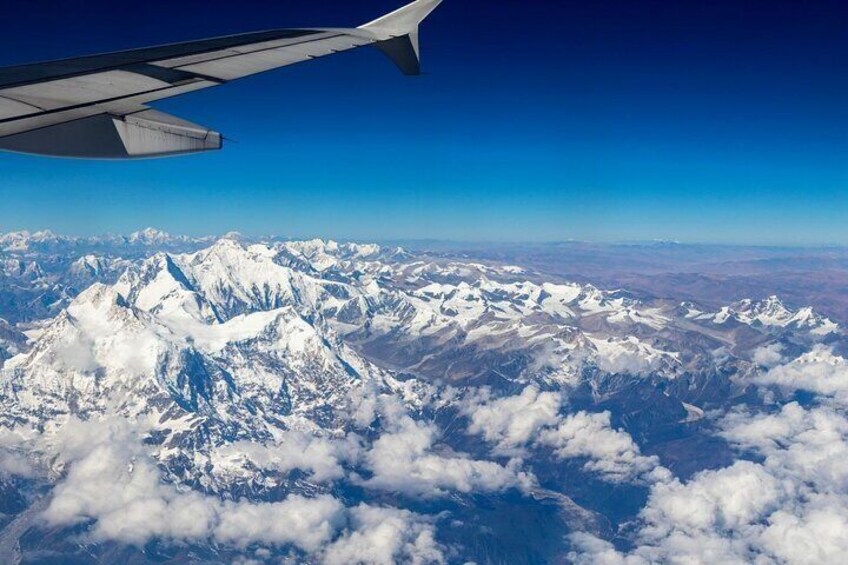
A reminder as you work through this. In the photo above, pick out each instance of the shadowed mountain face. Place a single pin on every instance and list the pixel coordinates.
(172, 399)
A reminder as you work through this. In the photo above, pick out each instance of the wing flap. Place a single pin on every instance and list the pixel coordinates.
(154, 134)
(119, 107)
(148, 133)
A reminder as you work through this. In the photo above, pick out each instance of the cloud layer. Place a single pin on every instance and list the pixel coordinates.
(787, 504)
(113, 484)
(819, 371)
(116, 486)
(532, 419)
(404, 460)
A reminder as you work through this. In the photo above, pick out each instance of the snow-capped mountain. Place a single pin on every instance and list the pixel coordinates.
(770, 313)
(45, 241)
(97, 267)
(41, 272)
(151, 236)
(21, 269)
(401, 313)
(24, 241)
(204, 382)
(550, 331)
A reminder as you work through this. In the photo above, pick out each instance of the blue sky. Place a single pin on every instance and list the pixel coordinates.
(612, 120)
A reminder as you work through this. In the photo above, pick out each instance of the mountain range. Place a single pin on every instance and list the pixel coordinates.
(177, 399)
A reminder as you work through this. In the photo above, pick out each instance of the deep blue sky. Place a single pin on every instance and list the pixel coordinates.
(719, 121)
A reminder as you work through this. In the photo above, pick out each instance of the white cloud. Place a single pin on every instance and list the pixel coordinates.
(612, 453)
(792, 507)
(512, 421)
(113, 482)
(385, 536)
(590, 550)
(320, 457)
(404, 460)
(532, 418)
(812, 534)
(807, 446)
(15, 465)
(768, 355)
(363, 406)
(819, 371)
(308, 523)
(729, 499)
(714, 518)
(14, 448)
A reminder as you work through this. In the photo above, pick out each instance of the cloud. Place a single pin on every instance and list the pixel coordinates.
(812, 534)
(807, 446)
(512, 421)
(14, 448)
(768, 355)
(791, 506)
(113, 482)
(532, 419)
(591, 550)
(320, 457)
(308, 523)
(818, 371)
(611, 453)
(404, 460)
(717, 517)
(115, 486)
(385, 536)
(728, 500)
(15, 465)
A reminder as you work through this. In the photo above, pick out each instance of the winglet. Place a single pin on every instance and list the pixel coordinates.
(399, 34)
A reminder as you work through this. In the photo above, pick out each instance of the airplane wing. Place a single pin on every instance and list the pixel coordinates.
(97, 106)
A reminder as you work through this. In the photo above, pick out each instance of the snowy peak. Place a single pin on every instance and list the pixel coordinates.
(770, 313)
(325, 256)
(20, 269)
(436, 318)
(23, 241)
(551, 330)
(19, 240)
(149, 348)
(237, 280)
(93, 267)
(151, 236)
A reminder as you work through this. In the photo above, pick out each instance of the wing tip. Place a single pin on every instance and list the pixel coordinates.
(398, 34)
(404, 20)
